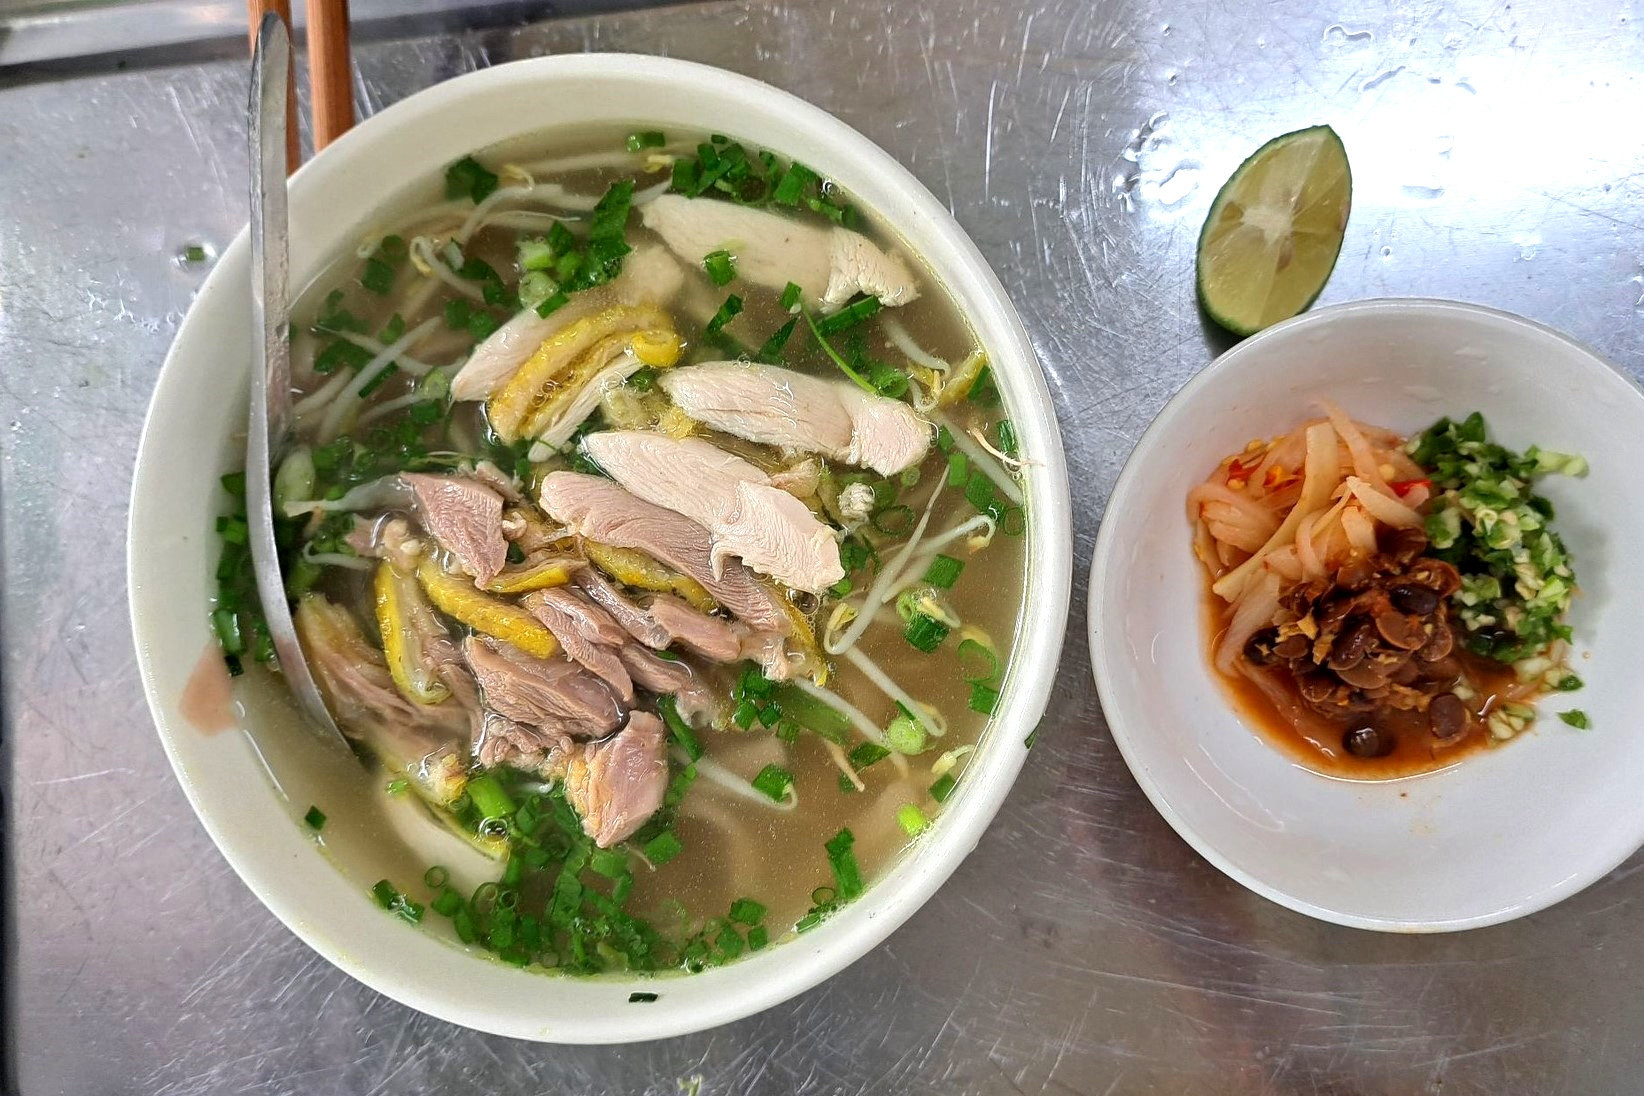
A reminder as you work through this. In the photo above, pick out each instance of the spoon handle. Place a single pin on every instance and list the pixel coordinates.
(270, 417)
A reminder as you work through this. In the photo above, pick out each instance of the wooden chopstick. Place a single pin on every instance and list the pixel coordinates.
(330, 78)
(255, 10)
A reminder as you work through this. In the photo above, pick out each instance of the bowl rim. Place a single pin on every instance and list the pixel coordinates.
(909, 881)
(1103, 663)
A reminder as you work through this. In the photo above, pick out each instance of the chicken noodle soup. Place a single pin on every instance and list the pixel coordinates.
(1382, 605)
(655, 527)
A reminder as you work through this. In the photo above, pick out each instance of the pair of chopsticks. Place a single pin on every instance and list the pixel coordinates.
(330, 80)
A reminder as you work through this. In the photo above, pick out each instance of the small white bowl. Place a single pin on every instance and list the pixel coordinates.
(1500, 834)
(249, 787)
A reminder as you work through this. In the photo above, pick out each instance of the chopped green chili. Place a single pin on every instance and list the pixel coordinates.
(1576, 718)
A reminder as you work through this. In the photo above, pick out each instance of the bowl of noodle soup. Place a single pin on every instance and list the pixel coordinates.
(1413, 784)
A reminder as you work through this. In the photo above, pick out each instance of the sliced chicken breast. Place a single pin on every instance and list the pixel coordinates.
(746, 517)
(649, 276)
(775, 406)
(596, 508)
(830, 265)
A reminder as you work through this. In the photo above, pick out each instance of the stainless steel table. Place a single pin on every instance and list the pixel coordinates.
(1083, 948)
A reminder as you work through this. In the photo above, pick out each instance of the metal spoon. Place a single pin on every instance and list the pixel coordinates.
(268, 430)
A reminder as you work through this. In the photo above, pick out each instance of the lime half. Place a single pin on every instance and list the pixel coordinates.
(1274, 231)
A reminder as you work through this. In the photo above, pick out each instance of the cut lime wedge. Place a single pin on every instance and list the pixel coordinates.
(1274, 231)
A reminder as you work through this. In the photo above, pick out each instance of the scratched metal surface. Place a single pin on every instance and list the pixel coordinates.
(1082, 948)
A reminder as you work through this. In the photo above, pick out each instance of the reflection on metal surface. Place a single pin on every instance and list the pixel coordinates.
(1082, 948)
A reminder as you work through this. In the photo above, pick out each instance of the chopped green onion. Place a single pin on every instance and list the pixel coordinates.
(194, 253)
(1013, 523)
(774, 781)
(1576, 718)
(638, 997)
(790, 296)
(925, 633)
(456, 313)
(398, 786)
(841, 588)
(818, 716)
(943, 572)
(489, 798)
(793, 184)
(849, 316)
(979, 491)
(943, 788)
(867, 753)
(772, 350)
(468, 178)
(647, 138)
(827, 348)
(1006, 432)
(846, 874)
(553, 304)
(663, 847)
(611, 863)
(377, 276)
(906, 735)
(983, 697)
(385, 893)
(912, 820)
(227, 625)
(447, 902)
(745, 714)
(315, 818)
(234, 484)
(958, 470)
(380, 379)
(758, 937)
(435, 877)
(727, 312)
(392, 330)
(678, 729)
(745, 911)
(1032, 737)
(894, 521)
(977, 661)
(721, 267)
(1569, 683)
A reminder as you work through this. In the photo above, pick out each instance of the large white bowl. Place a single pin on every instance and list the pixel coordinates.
(193, 436)
(1502, 833)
